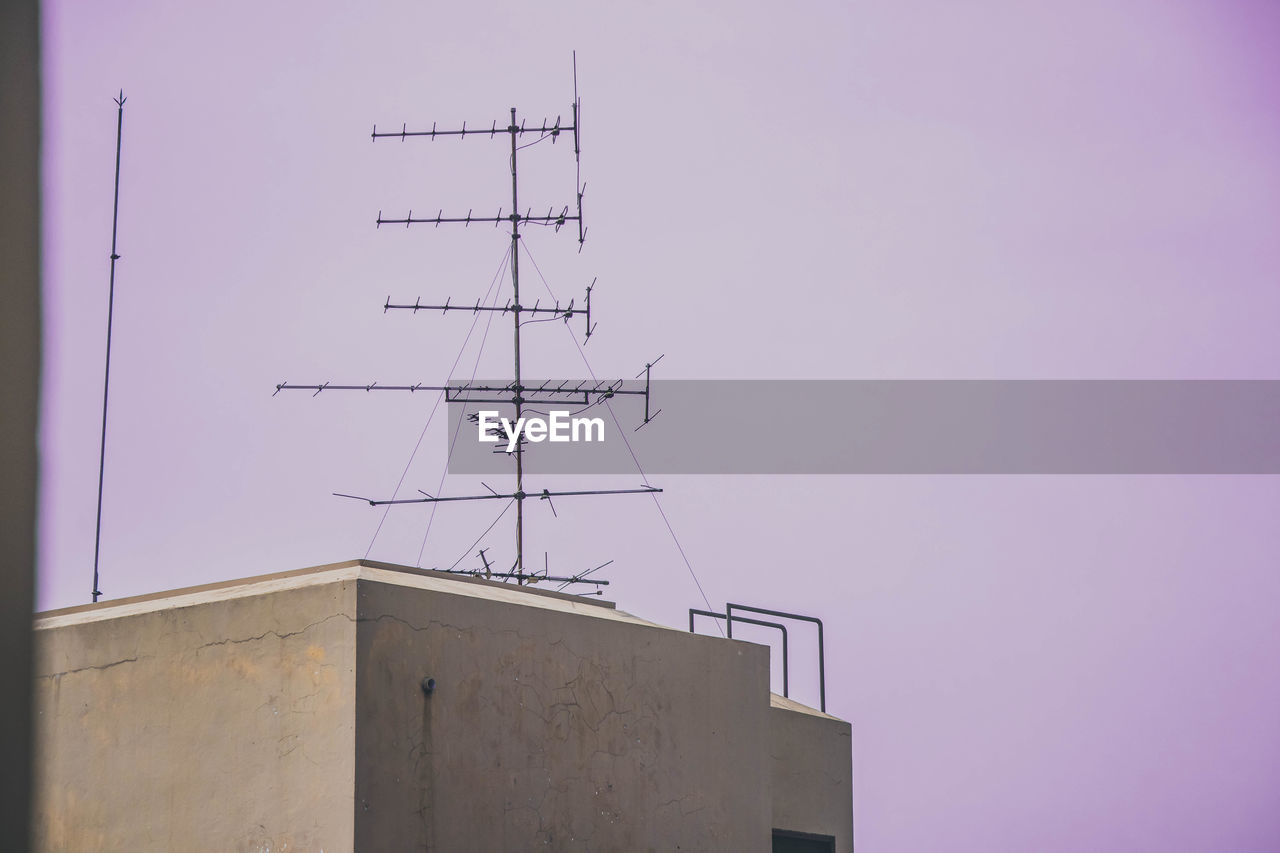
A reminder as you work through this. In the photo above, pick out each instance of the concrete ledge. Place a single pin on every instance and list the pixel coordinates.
(296, 579)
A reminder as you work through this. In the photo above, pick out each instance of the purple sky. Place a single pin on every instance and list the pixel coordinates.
(932, 190)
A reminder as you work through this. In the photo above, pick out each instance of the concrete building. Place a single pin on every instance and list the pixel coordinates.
(369, 707)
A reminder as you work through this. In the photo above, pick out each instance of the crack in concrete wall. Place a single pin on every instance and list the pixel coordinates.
(554, 731)
(193, 728)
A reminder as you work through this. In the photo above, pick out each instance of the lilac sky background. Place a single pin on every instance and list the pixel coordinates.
(866, 190)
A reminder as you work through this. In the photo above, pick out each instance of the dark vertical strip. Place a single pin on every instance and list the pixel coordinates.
(20, 377)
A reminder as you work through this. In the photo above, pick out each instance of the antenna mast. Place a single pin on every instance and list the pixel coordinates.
(106, 382)
(515, 289)
(515, 393)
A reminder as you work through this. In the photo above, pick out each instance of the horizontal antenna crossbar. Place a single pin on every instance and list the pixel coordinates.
(523, 575)
(568, 394)
(438, 219)
(542, 495)
(500, 309)
(492, 131)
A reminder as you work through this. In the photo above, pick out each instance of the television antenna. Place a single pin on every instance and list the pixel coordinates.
(106, 381)
(516, 393)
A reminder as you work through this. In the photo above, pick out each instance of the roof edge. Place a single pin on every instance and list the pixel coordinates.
(327, 567)
(782, 703)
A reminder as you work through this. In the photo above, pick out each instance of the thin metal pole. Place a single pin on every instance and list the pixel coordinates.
(106, 382)
(519, 390)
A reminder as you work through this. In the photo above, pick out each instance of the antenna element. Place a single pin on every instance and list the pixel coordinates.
(106, 382)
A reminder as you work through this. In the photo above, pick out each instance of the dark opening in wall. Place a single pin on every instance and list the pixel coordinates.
(786, 841)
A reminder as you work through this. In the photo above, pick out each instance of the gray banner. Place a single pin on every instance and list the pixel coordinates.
(895, 427)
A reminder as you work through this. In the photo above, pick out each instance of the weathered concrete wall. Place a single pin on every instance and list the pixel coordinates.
(218, 726)
(553, 730)
(287, 713)
(811, 764)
